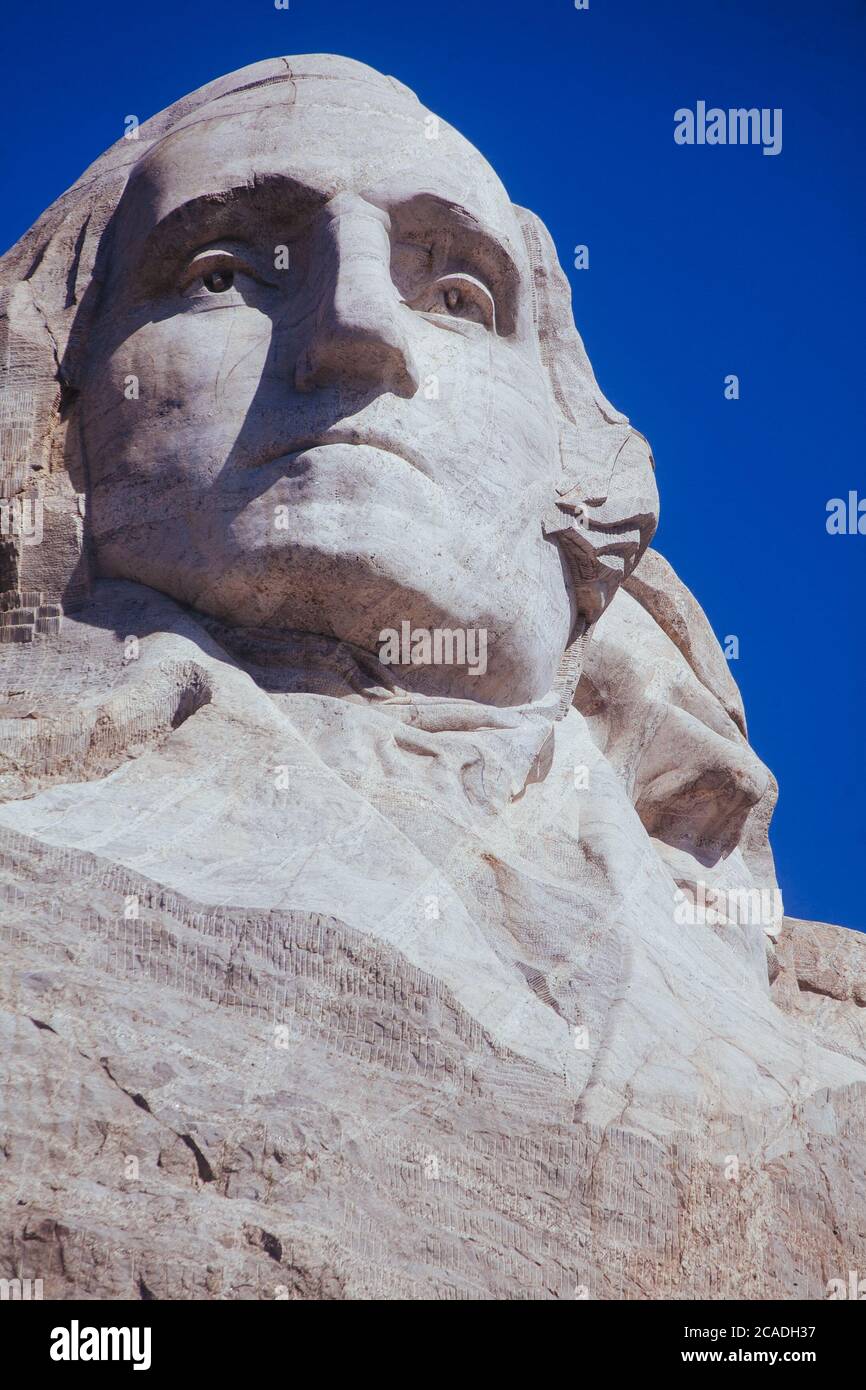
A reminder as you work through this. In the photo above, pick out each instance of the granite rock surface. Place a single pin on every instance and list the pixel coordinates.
(331, 969)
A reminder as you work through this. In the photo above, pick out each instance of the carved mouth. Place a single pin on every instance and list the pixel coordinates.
(383, 443)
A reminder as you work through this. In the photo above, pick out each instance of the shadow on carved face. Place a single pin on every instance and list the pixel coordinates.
(316, 402)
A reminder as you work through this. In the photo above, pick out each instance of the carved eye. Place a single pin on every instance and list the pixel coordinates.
(218, 281)
(459, 296)
(217, 270)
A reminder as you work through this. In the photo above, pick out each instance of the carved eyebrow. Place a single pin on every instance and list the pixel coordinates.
(234, 211)
(239, 212)
(468, 237)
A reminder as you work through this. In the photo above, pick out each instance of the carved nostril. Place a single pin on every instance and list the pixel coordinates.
(367, 353)
(400, 370)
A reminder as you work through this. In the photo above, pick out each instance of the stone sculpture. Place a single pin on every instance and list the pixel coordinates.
(378, 813)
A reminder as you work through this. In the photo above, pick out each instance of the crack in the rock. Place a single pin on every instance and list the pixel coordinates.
(205, 1172)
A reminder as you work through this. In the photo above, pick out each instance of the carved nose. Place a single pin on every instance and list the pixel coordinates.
(358, 337)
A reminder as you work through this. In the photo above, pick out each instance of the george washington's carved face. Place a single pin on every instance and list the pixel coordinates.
(342, 419)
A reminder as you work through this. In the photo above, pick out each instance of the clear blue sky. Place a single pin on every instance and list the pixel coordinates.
(703, 262)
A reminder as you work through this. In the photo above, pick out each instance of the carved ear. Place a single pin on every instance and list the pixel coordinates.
(606, 508)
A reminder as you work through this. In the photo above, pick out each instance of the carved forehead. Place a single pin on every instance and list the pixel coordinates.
(322, 137)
